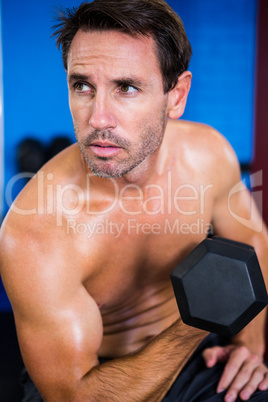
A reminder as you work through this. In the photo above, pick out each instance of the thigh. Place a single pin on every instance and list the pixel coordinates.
(197, 383)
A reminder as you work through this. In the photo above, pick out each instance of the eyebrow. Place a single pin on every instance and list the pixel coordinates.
(130, 80)
(77, 77)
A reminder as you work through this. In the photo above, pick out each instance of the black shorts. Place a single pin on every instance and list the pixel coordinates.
(195, 383)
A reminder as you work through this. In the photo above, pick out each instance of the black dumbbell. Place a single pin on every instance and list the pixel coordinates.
(219, 286)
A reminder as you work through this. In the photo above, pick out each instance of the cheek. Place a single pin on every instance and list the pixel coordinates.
(139, 116)
(80, 112)
(153, 116)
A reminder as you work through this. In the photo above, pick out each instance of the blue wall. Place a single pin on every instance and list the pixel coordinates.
(35, 89)
(222, 34)
(223, 38)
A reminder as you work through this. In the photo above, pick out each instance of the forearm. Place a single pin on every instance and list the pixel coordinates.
(146, 375)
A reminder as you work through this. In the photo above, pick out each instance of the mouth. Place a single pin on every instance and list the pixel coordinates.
(104, 149)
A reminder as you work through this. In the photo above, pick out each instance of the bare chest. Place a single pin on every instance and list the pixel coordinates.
(127, 250)
(123, 254)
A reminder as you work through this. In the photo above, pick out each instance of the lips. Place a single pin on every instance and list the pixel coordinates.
(104, 149)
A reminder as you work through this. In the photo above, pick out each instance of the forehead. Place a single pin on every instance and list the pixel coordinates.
(112, 49)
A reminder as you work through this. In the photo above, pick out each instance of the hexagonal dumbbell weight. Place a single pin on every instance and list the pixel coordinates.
(219, 286)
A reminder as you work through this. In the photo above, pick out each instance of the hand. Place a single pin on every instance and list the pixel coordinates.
(243, 374)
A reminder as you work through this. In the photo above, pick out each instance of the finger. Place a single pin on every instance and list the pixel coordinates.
(217, 354)
(264, 384)
(253, 384)
(247, 381)
(232, 367)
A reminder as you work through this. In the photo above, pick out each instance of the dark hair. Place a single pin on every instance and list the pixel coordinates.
(144, 17)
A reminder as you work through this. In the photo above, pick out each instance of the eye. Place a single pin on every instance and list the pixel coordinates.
(128, 89)
(80, 87)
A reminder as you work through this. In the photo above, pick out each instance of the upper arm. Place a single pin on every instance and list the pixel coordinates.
(235, 213)
(58, 324)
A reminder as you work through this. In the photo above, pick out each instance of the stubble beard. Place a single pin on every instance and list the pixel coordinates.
(150, 139)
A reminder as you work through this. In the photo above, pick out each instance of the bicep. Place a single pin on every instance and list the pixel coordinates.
(59, 325)
(236, 216)
(235, 213)
(59, 341)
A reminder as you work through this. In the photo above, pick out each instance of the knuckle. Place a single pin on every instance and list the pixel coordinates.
(255, 359)
(256, 378)
(246, 371)
(253, 371)
(261, 367)
(243, 350)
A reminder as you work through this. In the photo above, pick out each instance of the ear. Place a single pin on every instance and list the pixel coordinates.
(178, 96)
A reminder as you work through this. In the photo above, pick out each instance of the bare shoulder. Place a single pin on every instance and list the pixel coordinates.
(34, 200)
(205, 149)
(198, 136)
(31, 240)
(33, 206)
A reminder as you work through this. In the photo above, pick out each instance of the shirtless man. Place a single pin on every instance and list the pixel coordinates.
(89, 244)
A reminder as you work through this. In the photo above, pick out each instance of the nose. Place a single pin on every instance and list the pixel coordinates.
(102, 114)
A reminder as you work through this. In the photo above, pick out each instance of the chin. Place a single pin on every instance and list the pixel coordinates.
(105, 171)
(108, 174)
(111, 169)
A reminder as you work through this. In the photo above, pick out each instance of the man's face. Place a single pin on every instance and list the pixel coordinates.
(116, 99)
